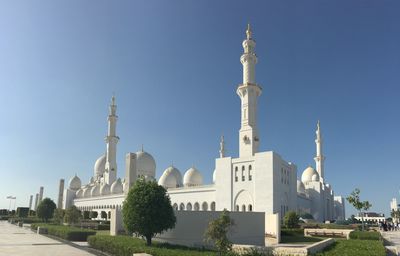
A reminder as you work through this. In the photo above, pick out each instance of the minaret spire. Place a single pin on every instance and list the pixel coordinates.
(222, 147)
(111, 141)
(319, 157)
(248, 92)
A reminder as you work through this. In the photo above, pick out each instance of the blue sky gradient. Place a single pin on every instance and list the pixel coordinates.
(174, 67)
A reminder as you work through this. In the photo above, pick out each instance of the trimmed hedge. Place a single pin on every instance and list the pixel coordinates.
(126, 245)
(103, 227)
(66, 232)
(365, 235)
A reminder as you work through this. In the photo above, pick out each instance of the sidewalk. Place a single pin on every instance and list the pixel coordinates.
(393, 237)
(22, 241)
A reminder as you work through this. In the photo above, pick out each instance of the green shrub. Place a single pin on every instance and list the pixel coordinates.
(292, 232)
(291, 219)
(365, 235)
(125, 245)
(103, 227)
(66, 232)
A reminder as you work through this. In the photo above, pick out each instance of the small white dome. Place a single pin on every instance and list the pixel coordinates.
(315, 177)
(116, 187)
(300, 187)
(95, 191)
(75, 183)
(171, 178)
(79, 193)
(214, 176)
(307, 174)
(145, 164)
(105, 189)
(86, 191)
(192, 177)
(100, 166)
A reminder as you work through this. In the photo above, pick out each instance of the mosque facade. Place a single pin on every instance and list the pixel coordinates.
(253, 181)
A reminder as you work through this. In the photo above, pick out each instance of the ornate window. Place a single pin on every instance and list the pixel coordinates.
(250, 208)
(243, 175)
(250, 176)
(236, 174)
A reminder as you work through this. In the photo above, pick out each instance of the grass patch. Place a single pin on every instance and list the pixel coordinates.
(365, 235)
(65, 232)
(125, 245)
(354, 248)
(292, 236)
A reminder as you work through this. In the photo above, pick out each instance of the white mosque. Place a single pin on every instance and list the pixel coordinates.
(254, 181)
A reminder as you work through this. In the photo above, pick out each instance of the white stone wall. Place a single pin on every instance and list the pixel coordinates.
(189, 230)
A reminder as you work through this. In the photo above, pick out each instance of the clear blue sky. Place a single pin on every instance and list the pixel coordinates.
(174, 67)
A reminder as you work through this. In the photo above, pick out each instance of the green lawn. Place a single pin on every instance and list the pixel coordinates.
(125, 245)
(344, 247)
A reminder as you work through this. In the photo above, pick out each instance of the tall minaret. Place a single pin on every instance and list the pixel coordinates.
(319, 158)
(248, 93)
(111, 140)
(222, 147)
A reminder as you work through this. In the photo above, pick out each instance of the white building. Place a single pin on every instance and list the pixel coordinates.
(253, 181)
(371, 217)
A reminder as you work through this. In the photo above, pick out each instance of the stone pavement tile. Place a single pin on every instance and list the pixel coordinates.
(22, 241)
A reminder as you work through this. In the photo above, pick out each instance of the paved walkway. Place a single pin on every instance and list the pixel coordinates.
(22, 241)
(393, 237)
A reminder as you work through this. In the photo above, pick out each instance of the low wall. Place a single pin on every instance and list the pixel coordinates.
(116, 225)
(327, 232)
(283, 250)
(190, 226)
(273, 226)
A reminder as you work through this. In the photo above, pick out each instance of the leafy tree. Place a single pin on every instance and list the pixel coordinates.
(93, 214)
(306, 216)
(58, 216)
(217, 232)
(103, 215)
(291, 219)
(354, 199)
(72, 215)
(45, 209)
(147, 210)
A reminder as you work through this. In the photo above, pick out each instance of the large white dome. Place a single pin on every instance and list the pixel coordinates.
(307, 174)
(192, 177)
(79, 193)
(116, 187)
(300, 187)
(75, 183)
(95, 191)
(100, 166)
(105, 189)
(315, 177)
(171, 178)
(145, 164)
(86, 191)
